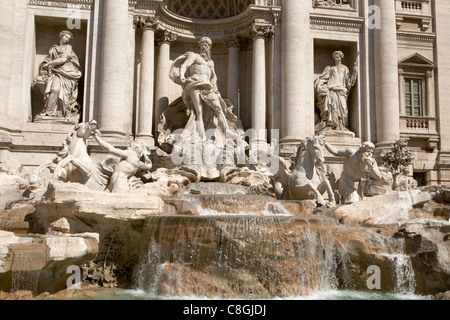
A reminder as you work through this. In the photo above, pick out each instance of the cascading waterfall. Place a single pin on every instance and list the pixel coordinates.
(24, 276)
(404, 274)
(231, 244)
(238, 256)
(394, 250)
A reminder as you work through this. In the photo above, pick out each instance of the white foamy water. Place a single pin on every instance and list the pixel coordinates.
(331, 294)
(270, 209)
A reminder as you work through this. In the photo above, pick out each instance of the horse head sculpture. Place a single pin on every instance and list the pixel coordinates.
(295, 183)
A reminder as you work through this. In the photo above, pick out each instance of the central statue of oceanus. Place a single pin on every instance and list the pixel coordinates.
(200, 127)
(195, 72)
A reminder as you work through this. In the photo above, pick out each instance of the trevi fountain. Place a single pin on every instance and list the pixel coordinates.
(213, 212)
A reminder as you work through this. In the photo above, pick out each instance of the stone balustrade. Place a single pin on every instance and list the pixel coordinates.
(412, 5)
(417, 125)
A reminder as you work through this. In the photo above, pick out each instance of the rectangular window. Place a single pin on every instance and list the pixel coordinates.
(413, 97)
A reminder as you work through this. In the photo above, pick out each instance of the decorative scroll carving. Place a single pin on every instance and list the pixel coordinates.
(236, 41)
(166, 36)
(265, 31)
(146, 22)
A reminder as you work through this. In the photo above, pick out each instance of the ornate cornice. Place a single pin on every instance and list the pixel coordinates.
(143, 7)
(416, 36)
(334, 23)
(80, 4)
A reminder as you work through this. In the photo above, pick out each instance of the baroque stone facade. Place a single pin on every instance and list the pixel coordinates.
(268, 55)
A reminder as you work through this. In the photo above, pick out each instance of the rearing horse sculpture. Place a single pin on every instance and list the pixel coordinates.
(74, 163)
(296, 183)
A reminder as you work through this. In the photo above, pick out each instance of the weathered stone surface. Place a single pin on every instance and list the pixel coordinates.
(443, 296)
(18, 295)
(14, 218)
(427, 244)
(391, 208)
(61, 225)
(11, 189)
(6, 239)
(86, 210)
(48, 255)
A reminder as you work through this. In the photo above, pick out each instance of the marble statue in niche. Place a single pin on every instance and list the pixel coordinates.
(332, 89)
(200, 126)
(59, 75)
(196, 74)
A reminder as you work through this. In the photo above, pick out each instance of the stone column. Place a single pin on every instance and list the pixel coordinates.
(276, 76)
(234, 44)
(259, 34)
(297, 73)
(146, 85)
(386, 75)
(431, 105)
(442, 24)
(165, 38)
(401, 90)
(6, 48)
(114, 118)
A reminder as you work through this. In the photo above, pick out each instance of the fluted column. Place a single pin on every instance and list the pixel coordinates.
(297, 72)
(6, 48)
(259, 34)
(114, 118)
(234, 44)
(165, 38)
(146, 85)
(386, 75)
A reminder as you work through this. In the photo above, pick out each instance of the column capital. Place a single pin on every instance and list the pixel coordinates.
(262, 30)
(146, 22)
(165, 36)
(236, 41)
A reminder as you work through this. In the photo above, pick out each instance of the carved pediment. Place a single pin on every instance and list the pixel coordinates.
(417, 61)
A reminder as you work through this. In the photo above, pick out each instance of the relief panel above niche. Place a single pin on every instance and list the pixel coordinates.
(336, 4)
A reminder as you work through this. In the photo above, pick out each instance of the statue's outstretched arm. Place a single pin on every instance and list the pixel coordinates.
(336, 152)
(108, 147)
